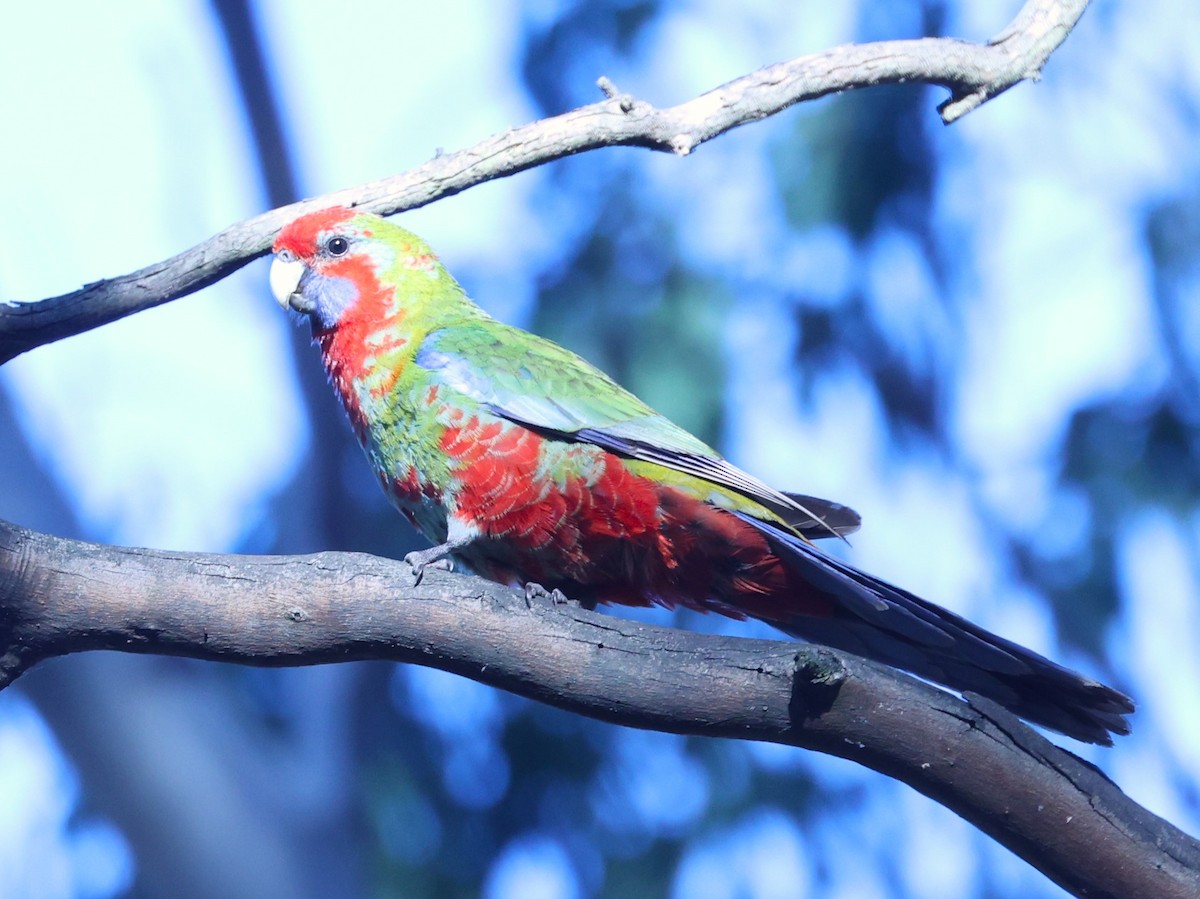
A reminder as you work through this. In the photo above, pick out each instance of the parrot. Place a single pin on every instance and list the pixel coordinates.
(518, 458)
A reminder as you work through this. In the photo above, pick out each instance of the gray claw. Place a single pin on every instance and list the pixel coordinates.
(537, 591)
(420, 560)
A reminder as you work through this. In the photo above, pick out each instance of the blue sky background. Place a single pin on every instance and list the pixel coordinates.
(1043, 296)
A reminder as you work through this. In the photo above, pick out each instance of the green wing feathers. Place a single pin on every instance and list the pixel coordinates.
(531, 381)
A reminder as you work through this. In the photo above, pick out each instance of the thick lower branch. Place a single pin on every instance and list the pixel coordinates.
(60, 596)
(973, 72)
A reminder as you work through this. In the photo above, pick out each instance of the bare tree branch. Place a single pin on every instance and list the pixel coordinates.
(1063, 816)
(974, 73)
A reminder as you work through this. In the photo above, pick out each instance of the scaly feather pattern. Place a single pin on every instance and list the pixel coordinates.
(518, 457)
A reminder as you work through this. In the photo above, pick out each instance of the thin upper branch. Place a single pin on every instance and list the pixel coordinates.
(59, 596)
(974, 73)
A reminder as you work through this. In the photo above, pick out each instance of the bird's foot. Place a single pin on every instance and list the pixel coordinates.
(435, 557)
(537, 591)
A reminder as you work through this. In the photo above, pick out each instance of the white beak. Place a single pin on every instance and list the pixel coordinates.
(285, 278)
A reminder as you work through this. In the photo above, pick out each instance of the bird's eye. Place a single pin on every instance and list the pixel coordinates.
(337, 246)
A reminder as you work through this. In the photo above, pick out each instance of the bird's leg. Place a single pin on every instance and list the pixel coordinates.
(537, 591)
(434, 557)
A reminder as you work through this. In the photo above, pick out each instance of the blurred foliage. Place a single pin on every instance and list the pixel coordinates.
(871, 166)
(1131, 451)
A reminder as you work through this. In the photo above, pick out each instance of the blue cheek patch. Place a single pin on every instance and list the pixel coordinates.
(326, 298)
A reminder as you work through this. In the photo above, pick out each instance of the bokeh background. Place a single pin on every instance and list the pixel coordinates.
(986, 338)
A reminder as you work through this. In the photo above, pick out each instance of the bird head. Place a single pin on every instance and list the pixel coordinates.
(321, 260)
(337, 265)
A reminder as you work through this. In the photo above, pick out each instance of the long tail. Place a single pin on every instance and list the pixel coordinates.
(879, 621)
